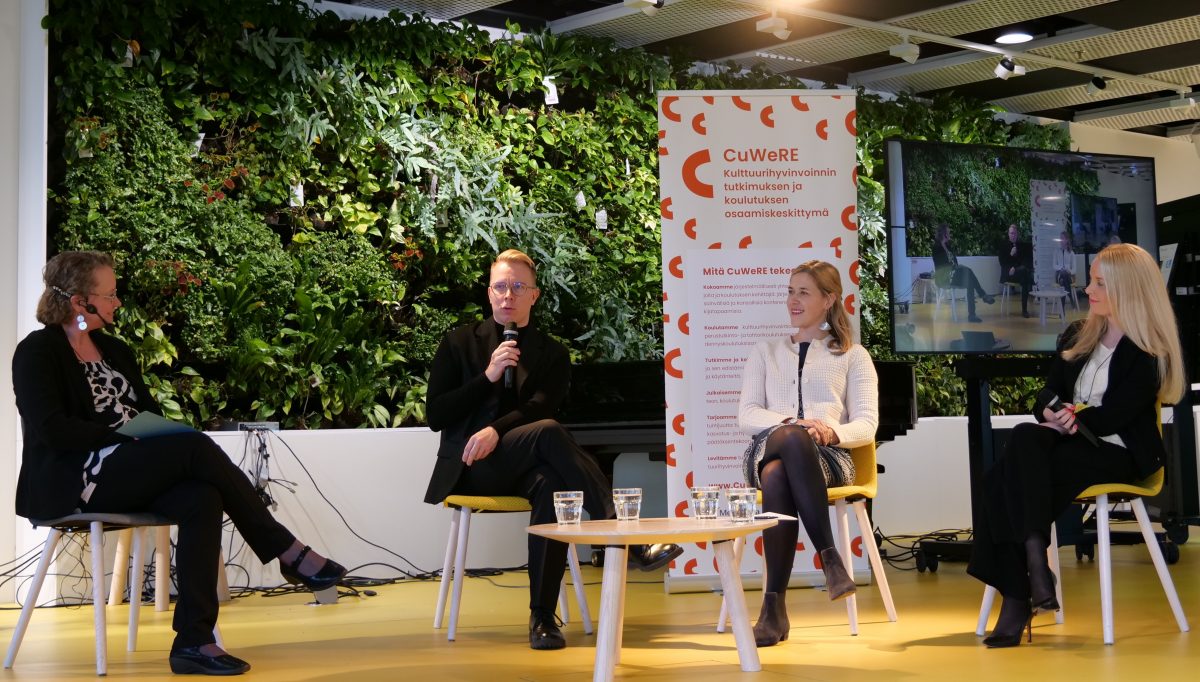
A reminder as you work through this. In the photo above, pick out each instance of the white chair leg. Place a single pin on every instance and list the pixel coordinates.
(97, 542)
(35, 588)
(585, 614)
(162, 568)
(222, 579)
(847, 556)
(116, 589)
(564, 604)
(1105, 552)
(985, 609)
(138, 573)
(738, 544)
(460, 562)
(217, 639)
(1160, 565)
(447, 567)
(868, 535)
(1056, 568)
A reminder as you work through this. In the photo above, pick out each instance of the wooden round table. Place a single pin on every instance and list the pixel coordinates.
(617, 536)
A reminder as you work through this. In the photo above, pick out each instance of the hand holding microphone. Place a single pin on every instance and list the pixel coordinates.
(511, 334)
(1070, 424)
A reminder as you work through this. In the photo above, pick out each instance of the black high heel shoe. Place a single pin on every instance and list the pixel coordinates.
(327, 577)
(1000, 640)
(1048, 603)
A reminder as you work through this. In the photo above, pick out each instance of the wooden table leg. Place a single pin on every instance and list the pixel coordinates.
(731, 585)
(612, 597)
(621, 606)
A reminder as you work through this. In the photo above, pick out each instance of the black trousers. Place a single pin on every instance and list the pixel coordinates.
(188, 479)
(534, 461)
(1023, 276)
(1035, 481)
(965, 278)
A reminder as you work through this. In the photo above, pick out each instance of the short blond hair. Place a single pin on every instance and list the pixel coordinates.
(1138, 300)
(515, 256)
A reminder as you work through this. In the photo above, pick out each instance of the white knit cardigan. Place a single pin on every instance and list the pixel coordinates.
(839, 390)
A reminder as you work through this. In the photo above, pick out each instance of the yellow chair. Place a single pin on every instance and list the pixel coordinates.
(865, 486)
(1101, 496)
(462, 506)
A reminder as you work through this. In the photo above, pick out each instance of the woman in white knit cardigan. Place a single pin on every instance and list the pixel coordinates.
(807, 400)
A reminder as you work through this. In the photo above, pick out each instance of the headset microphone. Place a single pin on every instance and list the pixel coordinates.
(90, 308)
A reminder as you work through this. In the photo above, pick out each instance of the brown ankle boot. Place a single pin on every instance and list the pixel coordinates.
(838, 582)
(772, 626)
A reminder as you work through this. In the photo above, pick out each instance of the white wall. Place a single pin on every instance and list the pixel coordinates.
(1176, 163)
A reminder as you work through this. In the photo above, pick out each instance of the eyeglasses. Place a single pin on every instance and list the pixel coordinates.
(112, 298)
(518, 289)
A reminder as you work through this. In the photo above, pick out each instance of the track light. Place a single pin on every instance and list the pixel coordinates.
(1095, 85)
(774, 25)
(907, 51)
(648, 7)
(1173, 102)
(1008, 67)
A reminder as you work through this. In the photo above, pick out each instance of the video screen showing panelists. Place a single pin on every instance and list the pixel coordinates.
(990, 247)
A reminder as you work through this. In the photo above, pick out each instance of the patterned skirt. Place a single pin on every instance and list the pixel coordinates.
(836, 463)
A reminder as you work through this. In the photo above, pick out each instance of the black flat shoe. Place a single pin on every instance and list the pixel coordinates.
(189, 661)
(544, 633)
(327, 577)
(652, 557)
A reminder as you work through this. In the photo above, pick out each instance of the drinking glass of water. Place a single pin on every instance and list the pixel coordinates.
(705, 500)
(568, 506)
(628, 502)
(743, 503)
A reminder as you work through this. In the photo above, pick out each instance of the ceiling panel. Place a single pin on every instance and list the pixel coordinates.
(1158, 39)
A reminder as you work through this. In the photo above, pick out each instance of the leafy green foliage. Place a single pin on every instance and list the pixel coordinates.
(189, 130)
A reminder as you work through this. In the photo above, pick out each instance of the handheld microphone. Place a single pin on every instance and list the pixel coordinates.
(1055, 404)
(510, 334)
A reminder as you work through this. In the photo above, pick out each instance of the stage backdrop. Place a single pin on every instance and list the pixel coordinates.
(753, 183)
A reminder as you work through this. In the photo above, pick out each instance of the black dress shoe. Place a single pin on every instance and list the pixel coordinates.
(327, 577)
(189, 661)
(652, 557)
(544, 633)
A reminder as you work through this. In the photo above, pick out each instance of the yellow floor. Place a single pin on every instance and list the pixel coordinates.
(667, 637)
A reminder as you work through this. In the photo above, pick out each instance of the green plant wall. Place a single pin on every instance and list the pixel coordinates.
(302, 206)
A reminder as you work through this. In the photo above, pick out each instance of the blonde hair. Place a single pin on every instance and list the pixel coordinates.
(1137, 299)
(68, 274)
(515, 256)
(829, 282)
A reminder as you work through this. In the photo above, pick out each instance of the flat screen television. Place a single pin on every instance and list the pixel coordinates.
(959, 284)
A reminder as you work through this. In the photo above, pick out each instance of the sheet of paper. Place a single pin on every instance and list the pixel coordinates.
(149, 425)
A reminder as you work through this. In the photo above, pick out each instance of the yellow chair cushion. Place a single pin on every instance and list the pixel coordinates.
(489, 503)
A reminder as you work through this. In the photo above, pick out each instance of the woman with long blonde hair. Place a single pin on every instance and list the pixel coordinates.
(807, 399)
(1097, 423)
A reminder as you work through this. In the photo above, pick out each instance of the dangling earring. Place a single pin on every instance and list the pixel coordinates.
(824, 326)
(80, 322)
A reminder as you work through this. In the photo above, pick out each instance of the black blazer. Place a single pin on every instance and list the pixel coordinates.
(1023, 259)
(1129, 408)
(460, 400)
(59, 423)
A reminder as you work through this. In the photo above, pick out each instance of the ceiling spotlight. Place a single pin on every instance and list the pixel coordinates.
(1183, 102)
(1007, 68)
(774, 25)
(648, 7)
(1096, 85)
(1014, 38)
(906, 51)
